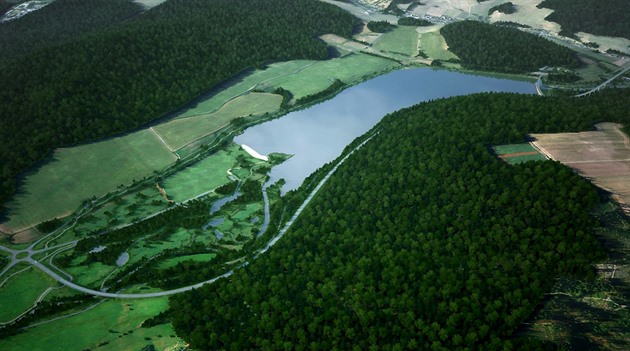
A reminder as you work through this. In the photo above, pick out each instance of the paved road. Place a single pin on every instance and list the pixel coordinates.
(599, 87)
(80, 288)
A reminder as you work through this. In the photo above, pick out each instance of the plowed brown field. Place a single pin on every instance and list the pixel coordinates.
(602, 156)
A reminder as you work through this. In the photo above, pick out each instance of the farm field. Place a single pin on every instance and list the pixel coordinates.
(433, 44)
(75, 174)
(349, 69)
(528, 14)
(402, 40)
(20, 292)
(605, 43)
(111, 325)
(602, 155)
(518, 153)
(181, 131)
(241, 84)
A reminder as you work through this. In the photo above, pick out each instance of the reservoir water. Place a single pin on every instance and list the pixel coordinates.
(318, 135)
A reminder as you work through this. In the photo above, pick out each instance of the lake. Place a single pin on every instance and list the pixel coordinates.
(318, 135)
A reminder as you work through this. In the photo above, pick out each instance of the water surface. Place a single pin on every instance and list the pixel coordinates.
(319, 134)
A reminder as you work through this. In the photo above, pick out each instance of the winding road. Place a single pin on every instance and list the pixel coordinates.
(29, 252)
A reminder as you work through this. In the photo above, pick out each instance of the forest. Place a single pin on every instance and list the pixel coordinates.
(415, 22)
(380, 26)
(608, 18)
(118, 79)
(62, 21)
(507, 7)
(422, 240)
(498, 48)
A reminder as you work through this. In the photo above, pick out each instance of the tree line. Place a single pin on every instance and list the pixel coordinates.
(115, 80)
(498, 48)
(423, 240)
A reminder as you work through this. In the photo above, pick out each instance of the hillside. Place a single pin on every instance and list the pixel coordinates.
(116, 80)
(422, 240)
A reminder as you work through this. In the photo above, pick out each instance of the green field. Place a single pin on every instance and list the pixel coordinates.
(513, 148)
(349, 69)
(402, 40)
(88, 275)
(20, 292)
(516, 149)
(182, 131)
(243, 83)
(113, 324)
(78, 173)
(172, 262)
(203, 176)
(434, 45)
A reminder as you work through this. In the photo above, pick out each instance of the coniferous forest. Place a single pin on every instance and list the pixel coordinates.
(421, 240)
(498, 48)
(114, 80)
(609, 18)
(62, 21)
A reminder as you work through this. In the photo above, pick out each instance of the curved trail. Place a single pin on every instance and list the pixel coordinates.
(273, 241)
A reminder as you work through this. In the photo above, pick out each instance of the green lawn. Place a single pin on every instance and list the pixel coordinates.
(114, 322)
(434, 45)
(182, 131)
(402, 40)
(20, 292)
(75, 174)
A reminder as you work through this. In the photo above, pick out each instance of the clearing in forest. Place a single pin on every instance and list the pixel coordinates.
(433, 44)
(518, 153)
(401, 40)
(602, 155)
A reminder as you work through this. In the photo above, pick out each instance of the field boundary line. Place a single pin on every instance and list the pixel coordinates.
(163, 141)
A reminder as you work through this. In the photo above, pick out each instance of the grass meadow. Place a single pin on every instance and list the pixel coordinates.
(349, 69)
(203, 176)
(20, 292)
(181, 131)
(402, 40)
(243, 83)
(434, 45)
(75, 174)
(111, 325)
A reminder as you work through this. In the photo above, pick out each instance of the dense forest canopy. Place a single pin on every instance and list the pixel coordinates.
(499, 48)
(609, 18)
(506, 8)
(115, 80)
(61, 21)
(422, 240)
